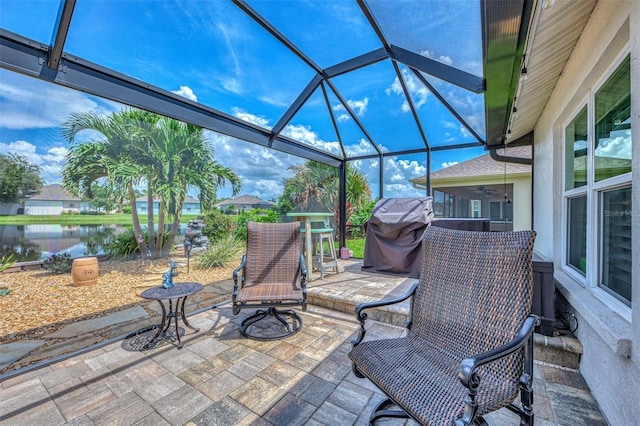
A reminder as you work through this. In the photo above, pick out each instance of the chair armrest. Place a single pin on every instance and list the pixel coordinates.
(468, 366)
(362, 316)
(236, 271)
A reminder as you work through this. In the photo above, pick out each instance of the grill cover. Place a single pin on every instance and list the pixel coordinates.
(393, 235)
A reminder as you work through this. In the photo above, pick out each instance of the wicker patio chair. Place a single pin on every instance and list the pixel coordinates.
(469, 344)
(272, 275)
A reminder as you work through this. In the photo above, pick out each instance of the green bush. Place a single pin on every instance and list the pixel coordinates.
(253, 215)
(123, 245)
(126, 209)
(58, 263)
(357, 219)
(217, 225)
(219, 253)
(126, 244)
(6, 262)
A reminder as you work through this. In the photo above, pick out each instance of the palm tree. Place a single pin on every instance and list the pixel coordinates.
(104, 159)
(315, 186)
(137, 147)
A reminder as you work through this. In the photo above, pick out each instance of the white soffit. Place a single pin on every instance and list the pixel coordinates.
(555, 30)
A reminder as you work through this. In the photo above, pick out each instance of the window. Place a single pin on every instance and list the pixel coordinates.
(577, 234)
(443, 204)
(616, 243)
(597, 188)
(476, 208)
(501, 211)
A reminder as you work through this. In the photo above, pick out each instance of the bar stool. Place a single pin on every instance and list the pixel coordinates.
(323, 259)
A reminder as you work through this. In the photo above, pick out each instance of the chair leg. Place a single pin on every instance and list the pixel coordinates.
(381, 411)
(332, 249)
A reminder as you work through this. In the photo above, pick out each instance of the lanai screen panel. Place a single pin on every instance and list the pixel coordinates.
(41, 19)
(328, 31)
(210, 52)
(447, 31)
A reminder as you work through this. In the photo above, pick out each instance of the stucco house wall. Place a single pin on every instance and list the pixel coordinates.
(610, 336)
(54, 200)
(190, 206)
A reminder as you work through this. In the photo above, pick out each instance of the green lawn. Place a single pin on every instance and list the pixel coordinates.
(357, 247)
(78, 219)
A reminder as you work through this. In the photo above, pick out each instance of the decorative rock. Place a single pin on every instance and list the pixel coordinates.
(194, 237)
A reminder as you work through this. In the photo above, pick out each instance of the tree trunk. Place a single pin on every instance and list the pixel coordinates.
(150, 225)
(160, 235)
(175, 225)
(142, 246)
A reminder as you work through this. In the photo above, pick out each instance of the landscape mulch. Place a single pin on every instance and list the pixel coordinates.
(39, 298)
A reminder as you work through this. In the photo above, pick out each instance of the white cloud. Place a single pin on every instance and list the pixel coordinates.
(359, 107)
(187, 92)
(616, 147)
(28, 103)
(251, 118)
(442, 58)
(446, 164)
(419, 92)
(51, 163)
(261, 170)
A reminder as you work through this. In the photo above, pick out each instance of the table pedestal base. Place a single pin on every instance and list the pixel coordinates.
(171, 315)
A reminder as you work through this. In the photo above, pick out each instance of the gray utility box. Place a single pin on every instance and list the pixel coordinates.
(544, 295)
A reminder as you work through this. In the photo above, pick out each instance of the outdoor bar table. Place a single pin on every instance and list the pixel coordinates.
(180, 292)
(307, 218)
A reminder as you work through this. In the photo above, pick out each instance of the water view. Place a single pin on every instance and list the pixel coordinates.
(38, 241)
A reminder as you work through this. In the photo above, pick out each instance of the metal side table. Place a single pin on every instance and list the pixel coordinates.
(180, 292)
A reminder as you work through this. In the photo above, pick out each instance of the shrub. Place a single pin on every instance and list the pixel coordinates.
(253, 215)
(217, 226)
(124, 244)
(6, 262)
(360, 215)
(58, 263)
(126, 209)
(219, 253)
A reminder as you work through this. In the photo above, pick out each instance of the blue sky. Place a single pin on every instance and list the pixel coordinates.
(211, 52)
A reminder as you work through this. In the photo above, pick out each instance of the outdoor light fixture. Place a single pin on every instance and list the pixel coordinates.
(523, 74)
(187, 249)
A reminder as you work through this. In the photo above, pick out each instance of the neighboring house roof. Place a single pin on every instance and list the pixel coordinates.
(53, 192)
(482, 166)
(245, 200)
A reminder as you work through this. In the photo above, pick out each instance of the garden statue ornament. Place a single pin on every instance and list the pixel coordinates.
(167, 278)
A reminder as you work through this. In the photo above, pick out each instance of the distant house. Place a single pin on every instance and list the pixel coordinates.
(484, 187)
(190, 206)
(244, 202)
(54, 200)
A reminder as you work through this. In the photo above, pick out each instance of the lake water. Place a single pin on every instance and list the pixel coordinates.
(37, 242)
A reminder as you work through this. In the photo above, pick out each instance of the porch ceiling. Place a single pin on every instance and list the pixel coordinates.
(555, 29)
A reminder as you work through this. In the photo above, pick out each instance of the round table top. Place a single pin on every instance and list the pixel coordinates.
(178, 290)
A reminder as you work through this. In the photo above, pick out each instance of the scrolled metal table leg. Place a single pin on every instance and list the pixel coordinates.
(161, 327)
(175, 318)
(184, 318)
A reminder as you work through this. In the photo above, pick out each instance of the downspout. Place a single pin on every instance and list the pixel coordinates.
(517, 160)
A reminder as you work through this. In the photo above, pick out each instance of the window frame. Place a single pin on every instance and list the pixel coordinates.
(594, 192)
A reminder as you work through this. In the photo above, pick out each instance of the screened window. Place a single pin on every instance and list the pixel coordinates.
(576, 151)
(616, 243)
(501, 211)
(577, 233)
(598, 188)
